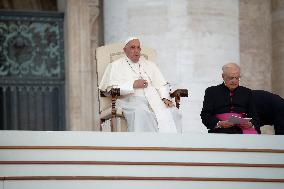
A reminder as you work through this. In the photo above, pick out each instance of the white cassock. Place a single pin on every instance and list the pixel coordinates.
(143, 108)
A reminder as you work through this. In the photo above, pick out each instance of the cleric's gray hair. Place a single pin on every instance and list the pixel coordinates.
(230, 65)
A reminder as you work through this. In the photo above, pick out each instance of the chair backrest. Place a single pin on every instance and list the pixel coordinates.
(109, 53)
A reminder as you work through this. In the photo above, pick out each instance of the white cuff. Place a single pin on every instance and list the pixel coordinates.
(164, 92)
(126, 88)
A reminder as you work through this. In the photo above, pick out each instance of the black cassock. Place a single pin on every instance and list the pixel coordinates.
(270, 109)
(219, 99)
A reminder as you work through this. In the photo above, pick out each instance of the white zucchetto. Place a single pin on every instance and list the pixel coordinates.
(129, 39)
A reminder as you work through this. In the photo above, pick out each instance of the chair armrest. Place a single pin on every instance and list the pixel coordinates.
(177, 94)
(111, 93)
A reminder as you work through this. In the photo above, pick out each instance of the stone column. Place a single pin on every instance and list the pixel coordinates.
(193, 38)
(82, 31)
(278, 47)
(255, 43)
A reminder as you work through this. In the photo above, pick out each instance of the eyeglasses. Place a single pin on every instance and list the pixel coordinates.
(231, 78)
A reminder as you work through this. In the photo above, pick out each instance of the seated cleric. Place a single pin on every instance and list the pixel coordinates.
(227, 99)
(145, 98)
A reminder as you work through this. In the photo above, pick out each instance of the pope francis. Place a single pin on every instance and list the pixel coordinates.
(145, 98)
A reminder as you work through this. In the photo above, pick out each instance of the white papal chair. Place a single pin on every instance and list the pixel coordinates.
(107, 109)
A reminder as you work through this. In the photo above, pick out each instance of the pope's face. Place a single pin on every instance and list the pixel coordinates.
(231, 78)
(132, 50)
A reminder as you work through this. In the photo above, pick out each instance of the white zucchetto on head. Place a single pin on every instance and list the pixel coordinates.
(129, 39)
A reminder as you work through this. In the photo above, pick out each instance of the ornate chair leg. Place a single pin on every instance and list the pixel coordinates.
(177, 100)
(113, 113)
(115, 92)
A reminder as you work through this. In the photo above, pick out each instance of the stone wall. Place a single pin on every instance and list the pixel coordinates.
(255, 43)
(278, 46)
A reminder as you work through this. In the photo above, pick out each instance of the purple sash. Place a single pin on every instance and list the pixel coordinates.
(225, 116)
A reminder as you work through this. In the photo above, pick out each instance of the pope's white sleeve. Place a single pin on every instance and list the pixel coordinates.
(160, 83)
(164, 92)
(126, 88)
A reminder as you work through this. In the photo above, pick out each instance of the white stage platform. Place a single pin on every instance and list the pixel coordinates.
(74, 159)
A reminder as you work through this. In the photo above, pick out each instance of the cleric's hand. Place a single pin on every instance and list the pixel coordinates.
(224, 124)
(246, 125)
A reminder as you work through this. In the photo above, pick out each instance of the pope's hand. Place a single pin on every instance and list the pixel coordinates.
(140, 83)
(168, 102)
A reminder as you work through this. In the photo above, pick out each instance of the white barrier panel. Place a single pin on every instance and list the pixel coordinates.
(30, 159)
(137, 185)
